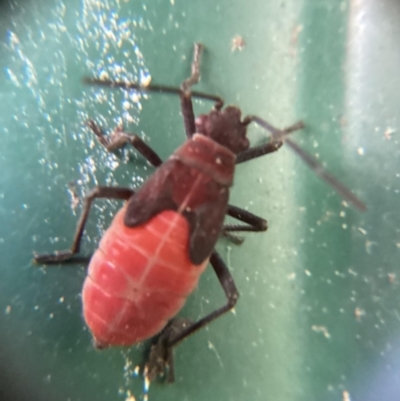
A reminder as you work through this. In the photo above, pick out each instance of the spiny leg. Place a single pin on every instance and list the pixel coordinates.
(280, 136)
(118, 139)
(98, 192)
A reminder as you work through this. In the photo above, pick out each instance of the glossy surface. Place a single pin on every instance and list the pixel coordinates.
(319, 306)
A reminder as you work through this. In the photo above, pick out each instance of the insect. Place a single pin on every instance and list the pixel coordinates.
(151, 257)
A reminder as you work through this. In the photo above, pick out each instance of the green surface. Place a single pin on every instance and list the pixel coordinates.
(294, 334)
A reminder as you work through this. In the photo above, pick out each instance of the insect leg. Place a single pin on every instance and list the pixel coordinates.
(253, 223)
(276, 142)
(195, 73)
(98, 192)
(119, 139)
(228, 285)
(161, 352)
(186, 94)
(161, 356)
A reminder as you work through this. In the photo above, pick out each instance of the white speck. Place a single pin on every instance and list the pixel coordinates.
(13, 77)
(291, 276)
(103, 75)
(126, 105)
(237, 43)
(146, 384)
(145, 79)
(346, 396)
(130, 396)
(8, 309)
(344, 226)
(388, 133)
(135, 97)
(172, 2)
(13, 39)
(307, 272)
(211, 347)
(61, 300)
(218, 160)
(51, 315)
(368, 246)
(361, 151)
(128, 362)
(321, 329)
(359, 313)
(362, 231)
(342, 214)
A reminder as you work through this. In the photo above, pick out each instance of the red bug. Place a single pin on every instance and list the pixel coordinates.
(159, 243)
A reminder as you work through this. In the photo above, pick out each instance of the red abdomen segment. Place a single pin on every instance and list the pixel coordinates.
(138, 279)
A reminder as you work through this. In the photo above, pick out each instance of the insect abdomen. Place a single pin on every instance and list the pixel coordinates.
(138, 279)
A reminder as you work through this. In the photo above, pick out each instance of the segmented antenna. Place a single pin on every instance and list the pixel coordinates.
(316, 167)
(277, 134)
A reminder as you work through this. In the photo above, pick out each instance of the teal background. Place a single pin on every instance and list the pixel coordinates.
(294, 334)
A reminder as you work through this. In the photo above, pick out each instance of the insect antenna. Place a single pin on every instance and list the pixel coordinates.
(150, 88)
(281, 135)
(277, 134)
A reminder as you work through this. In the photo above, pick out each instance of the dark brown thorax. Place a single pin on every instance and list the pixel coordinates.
(224, 127)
